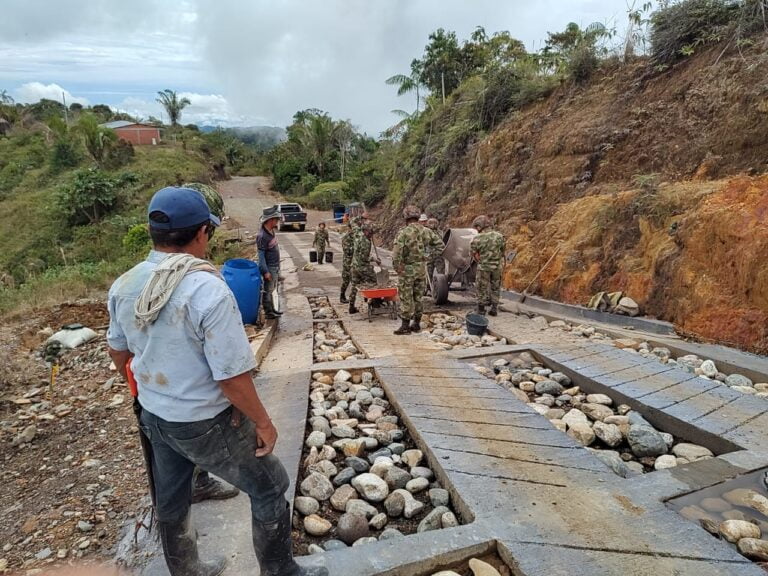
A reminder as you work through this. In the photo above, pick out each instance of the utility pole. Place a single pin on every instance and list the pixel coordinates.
(66, 116)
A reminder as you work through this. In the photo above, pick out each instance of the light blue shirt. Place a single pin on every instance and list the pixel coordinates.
(197, 339)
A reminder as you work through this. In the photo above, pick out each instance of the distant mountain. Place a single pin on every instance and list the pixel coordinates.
(263, 137)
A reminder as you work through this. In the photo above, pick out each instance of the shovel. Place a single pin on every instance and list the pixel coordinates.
(525, 292)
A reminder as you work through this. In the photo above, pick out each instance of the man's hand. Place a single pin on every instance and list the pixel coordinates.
(266, 438)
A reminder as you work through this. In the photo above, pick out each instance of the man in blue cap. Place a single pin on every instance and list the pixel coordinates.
(177, 321)
(269, 259)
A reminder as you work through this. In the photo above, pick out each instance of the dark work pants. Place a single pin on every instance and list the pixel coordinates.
(217, 446)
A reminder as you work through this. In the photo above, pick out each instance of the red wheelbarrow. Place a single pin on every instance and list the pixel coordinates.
(381, 301)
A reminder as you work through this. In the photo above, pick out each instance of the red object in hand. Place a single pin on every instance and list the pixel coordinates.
(132, 385)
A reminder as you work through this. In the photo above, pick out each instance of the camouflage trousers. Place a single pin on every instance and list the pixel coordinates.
(488, 285)
(320, 253)
(346, 274)
(411, 288)
(361, 276)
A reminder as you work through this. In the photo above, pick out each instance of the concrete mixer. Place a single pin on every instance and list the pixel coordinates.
(460, 267)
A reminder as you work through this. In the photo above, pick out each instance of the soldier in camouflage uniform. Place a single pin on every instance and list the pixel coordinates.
(488, 250)
(362, 269)
(348, 250)
(320, 241)
(408, 258)
(435, 247)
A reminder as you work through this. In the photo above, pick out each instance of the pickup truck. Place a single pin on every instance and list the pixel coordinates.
(292, 216)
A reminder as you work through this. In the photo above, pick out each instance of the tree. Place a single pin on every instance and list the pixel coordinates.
(97, 139)
(316, 136)
(104, 111)
(5, 97)
(407, 84)
(343, 134)
(91, 195)
(173, 105)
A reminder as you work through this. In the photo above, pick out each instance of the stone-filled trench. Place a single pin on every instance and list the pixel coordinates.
(361, 478)
(619, 436)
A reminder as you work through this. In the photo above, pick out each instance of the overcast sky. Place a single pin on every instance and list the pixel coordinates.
(249, 62)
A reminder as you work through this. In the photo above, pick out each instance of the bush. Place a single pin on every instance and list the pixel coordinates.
(119, 154)
(325, 195)
(678, 29)
(137, 240)
(65, 154)
(90, 196)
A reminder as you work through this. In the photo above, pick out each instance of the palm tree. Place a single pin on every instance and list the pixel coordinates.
(343, 134)
(407, 84)
(173, 105)
(316, 136)
(397, 130)
(5, 97)
(97, 138)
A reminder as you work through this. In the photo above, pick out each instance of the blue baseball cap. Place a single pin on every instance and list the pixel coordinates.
(181, 208)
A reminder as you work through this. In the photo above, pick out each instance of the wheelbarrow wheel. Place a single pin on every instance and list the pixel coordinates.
(370, 312)
(440, 289)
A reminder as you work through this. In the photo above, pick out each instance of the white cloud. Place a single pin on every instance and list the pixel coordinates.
(34, 91)
(204, 109)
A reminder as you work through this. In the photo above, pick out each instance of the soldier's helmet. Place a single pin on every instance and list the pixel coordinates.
(480, 222)
(411, 212)
(432, 223)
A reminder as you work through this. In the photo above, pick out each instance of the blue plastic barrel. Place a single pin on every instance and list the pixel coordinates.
(338, 212)
(244, 279)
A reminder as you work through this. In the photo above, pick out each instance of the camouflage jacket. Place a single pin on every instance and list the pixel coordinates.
(433, 244)
(321, 238)
(410, 248)
(489, 245)
(348, 244)
(361, 258)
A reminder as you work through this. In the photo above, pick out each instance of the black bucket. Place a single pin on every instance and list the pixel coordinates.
(313, 255)
(329, 257)
(477, 324)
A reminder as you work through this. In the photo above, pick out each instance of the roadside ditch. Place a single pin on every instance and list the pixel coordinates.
(362, 478)
(331, 342)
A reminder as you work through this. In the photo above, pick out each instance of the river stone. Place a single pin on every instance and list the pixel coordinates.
(527, 386)
(354, 448)
(635, 468)
(320, 424)
(715, 505)
(754, 548)
(341, 496)
(317, 486)
(379, 521)
(352, 527)
(395, 504)
(748, 499)
(315, 549)
(371, 487)
(421, 472)
(381, 452)
(364, 541)
(417, 485)
(439, 497)
(665, 461)
(540, 408)
(617, 420)
(549, 387)
(599, 399)
(344, 477)
(397, 448)
(554, 414)
(560, 378)
(735, 515)
(575, 415)
(735, 530)
(334, 544)
(645, 441)
(412, 457)
(708, 369)
(357, 464)
(317, 526)
(316, 439)
(391, 534)
(480, 568)
(738, 380)
(559, 424)
(306, 505)
(342, 376)
(361, 508)
(668, 439)
(343, 432)
(325, 468)
(695, 514)
(582, 433)
(432, 521)
(449, 520)
(608, 433)
(396, 478)
(381, 466)
(612, 459)
(691, 452)
(519, 395)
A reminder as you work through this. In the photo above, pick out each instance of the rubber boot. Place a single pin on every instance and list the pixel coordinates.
(273, 546)
(180, 550)
(416, 324)
(352, 309)
(481, 309)
(493, 311)
(343, 298)
(404, 327)
(207, 488)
